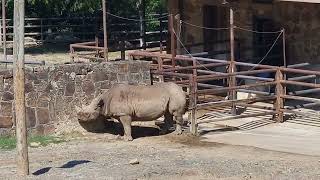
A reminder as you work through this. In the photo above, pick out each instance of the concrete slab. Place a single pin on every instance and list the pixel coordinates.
(276, 137)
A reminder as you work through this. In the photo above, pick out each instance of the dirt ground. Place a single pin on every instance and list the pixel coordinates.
(160, 157)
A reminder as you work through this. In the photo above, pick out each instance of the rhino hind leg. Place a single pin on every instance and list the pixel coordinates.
(168, 123)
(179, 121)
(126, 123)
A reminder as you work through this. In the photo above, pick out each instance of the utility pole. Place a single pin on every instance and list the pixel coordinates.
(19, 88)
(4, 30)
(105, 32)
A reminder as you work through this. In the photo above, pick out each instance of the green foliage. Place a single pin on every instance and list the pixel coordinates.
(9, 142)
(68, 8)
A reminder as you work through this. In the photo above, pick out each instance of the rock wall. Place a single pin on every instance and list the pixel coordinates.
(53, 92)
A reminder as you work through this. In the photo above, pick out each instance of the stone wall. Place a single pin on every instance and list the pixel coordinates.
(53, 92)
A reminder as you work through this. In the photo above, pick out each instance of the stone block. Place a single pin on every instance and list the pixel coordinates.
(113, 77)
(123, 68)
(100, 75)
(88, 87)
(123, 78)
(52, 112)
(31, 99)
(43, 116)
(30, 117)
(7, 96)
(6, 108)
(135, 67)
(45, 129)
(43, 100)
(1, 83)
(69, 89)
(6, 122)
(29, 87)
(105, 85)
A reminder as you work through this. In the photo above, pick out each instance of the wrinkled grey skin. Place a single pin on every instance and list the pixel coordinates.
(128, 103)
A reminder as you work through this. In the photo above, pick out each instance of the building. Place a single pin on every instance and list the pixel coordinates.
(300, 19)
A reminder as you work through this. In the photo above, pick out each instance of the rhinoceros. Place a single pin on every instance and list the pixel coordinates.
(128, 103)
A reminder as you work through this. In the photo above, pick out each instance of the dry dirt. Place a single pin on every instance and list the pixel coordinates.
(102, 156)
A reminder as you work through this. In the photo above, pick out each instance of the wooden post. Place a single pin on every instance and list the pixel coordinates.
(178, 32)
(19, 88)
(172, 39)
(105, 33)
(4, 30)
(232, 67)
(279, 104)
(144, 26)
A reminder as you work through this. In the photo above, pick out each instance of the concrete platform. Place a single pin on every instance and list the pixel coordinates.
(293, 136)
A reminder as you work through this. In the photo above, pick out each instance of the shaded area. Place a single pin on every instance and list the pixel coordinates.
(42, 171)
(72, 164)
(101, 125)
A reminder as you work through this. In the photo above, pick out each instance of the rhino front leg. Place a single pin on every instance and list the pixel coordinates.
(126, 123)
(179, 121)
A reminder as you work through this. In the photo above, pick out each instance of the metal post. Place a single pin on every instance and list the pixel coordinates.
(0, 33)
(19, 88)
(144, 24)
(284, 54)
(172, 39)
(161, 31)
(105, 33)
(4, 30)
(178, 32)
(193, 103)
(41, 30)
(279, 104)
(232, 68)
(160, 68)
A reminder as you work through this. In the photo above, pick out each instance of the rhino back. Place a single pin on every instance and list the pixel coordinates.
(142, 102)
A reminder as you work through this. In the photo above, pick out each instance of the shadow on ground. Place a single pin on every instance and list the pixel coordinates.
(70, 164)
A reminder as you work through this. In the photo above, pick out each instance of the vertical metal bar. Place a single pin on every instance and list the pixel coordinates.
(178, 32)
(232, 67)
(4, 30)
(96, 40)
(160, 67)
(1, 33)
(161, 31)
(193, 103)
(172, 39)
(71, 53)
(19, 88)
(123, 51)
(279, 104)
(41, 30)
(144, 24)
(105, 33)
(284, 55)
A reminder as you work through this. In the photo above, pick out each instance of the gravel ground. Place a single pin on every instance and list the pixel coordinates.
(160, 157)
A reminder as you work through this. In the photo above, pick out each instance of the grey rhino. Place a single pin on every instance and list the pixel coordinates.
(128, 103)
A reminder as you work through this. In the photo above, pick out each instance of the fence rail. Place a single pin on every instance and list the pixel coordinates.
(81, 29)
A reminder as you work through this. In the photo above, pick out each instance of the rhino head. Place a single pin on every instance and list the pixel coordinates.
(90, 112)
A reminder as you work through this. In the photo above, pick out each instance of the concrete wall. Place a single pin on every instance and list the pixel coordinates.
(53, 92)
